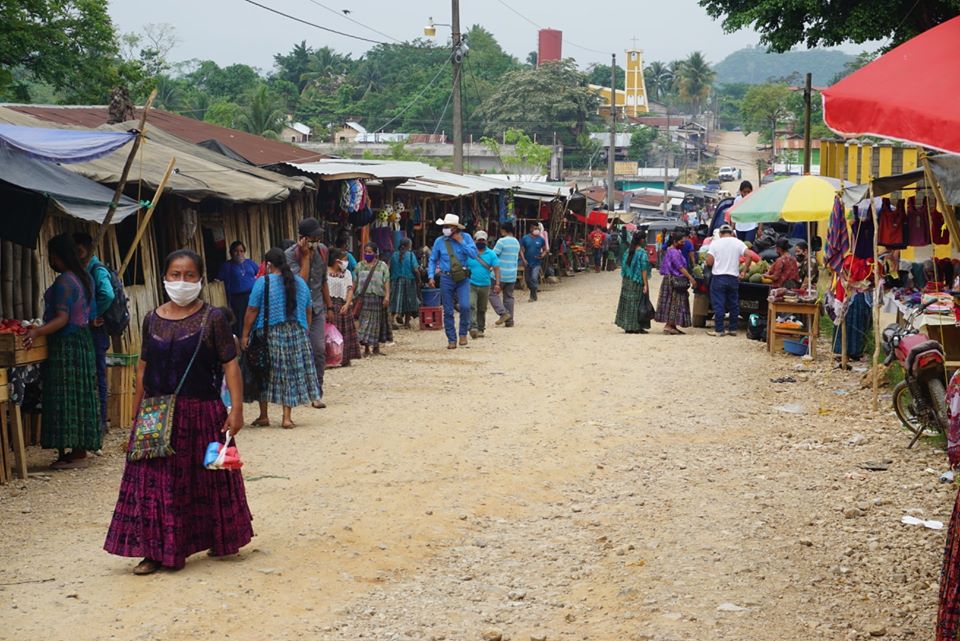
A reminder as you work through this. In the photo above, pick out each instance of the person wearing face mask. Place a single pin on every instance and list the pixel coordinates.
(534, 248)
(448, 259)
(280, 308)
(171, 507)
(809, 272)
(308, 259)
(238, 275)
(404, 304)
(485, 265)
(340, 282)
(71, 410)
(371, 281)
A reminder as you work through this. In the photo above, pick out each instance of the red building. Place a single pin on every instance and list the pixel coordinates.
(550, 46)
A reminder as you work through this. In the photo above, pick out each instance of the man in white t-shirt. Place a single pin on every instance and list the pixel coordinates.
(724, 258)
(745, 231)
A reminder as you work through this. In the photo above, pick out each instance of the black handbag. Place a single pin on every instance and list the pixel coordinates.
(258, 351)
(679, 283)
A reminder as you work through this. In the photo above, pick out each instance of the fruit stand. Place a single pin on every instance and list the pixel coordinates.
(13, 454)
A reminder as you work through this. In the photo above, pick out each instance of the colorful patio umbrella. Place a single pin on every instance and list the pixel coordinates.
(928, 113)
(838, 240)
(798, 199)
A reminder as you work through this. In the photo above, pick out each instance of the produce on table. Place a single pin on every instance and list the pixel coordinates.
(18, 327)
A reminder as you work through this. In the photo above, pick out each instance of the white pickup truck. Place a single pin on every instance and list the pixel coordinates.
(727, 174)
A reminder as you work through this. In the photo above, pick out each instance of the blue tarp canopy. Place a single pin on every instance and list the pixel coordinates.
(62, 145)
(27, 186)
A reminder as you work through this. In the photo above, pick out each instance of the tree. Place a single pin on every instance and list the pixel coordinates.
(262, 115)
(527, 157)
(551, 98)
(641, 143)
(862, 60)
(822, 24)
(763, 107)
(658, 79)
(230, 82)
(291, 66)
(696, 78)
(600, 75)
(532, 58)
(70, 44)
(223, 113)
(150, 48)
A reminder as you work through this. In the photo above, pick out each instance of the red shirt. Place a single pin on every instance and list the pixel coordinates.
(783, 269)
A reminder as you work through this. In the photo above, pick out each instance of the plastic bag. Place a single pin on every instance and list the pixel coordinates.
(221, 456)
(333, 346)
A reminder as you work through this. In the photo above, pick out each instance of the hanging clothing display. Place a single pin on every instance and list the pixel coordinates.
(918, 227)
(353, 195)
(939, 231)
(838, 240)
(893, 225)
(862, 229)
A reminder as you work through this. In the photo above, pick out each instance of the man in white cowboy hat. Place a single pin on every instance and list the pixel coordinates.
(448, 260)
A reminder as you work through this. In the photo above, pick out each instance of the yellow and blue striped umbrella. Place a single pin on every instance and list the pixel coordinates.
(797, 199)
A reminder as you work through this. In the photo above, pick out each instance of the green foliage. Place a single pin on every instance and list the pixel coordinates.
(658, 79)
(821, 24)
(69, 44)
(551, 98)
(263, 114)
(228, 82)
(600, 75)
(763, 107)
(223, 113)
(641, 143)
(696, 77)
(756, 65)
(528, 156)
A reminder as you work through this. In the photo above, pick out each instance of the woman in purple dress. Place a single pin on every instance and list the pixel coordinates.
(673, 305)
(172, 507)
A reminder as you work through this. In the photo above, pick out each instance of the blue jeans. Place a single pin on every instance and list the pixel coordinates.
(459, 293)
(725, 297)
(101, 342)
(532, 276)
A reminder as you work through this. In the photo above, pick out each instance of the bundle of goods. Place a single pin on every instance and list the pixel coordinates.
(788, 321)
(756, 271)
(353, 195)
(18, 327)
(939, 303)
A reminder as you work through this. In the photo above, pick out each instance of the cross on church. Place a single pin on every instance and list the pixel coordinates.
(634, 39)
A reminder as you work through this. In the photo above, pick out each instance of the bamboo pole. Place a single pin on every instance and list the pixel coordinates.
(945, 207)
(112, 208)
(7, 284)
(147, 216)
(877, 296)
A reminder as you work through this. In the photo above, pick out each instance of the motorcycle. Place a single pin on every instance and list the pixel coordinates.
(920, 399)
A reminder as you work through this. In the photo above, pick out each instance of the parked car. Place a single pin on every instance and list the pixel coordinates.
(728, 174)
(712, 185)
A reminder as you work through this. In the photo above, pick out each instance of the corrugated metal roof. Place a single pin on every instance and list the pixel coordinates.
(435, 189)
(256, 149)
(382, 169)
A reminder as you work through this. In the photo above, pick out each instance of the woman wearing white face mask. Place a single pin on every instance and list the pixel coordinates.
(172, 507)
(340, 281)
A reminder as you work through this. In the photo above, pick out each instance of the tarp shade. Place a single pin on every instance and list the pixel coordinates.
(22, 214)
(946, 169)
(73, 194)
(62, 145)
(215, 145)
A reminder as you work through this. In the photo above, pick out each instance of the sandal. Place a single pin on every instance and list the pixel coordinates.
(261, 422)
(318, 405)
(288, 426)
(145, 567)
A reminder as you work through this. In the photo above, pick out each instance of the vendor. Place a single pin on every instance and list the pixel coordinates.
(809, 272)
(785, 271)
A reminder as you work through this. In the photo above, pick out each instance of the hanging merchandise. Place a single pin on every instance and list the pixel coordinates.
(918, 228)
(838, 241)
(353, 195)
(893, 225)
(362, 217)
(862, 229)
(938, 226)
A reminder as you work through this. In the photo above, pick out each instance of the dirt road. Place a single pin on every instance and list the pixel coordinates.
(558, 480)
(738, 151)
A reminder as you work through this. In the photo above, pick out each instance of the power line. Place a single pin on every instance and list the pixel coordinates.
(567, 40)
(443, 113)
(417, 97)
(346, 17)
(311, 24)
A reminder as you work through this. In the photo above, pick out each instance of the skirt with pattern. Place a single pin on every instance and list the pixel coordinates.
(347, 326)
(403, 296)
(71, 409)
(673, 305)
(633, 308)
(374, 327)
(293, 373)
(172, 507)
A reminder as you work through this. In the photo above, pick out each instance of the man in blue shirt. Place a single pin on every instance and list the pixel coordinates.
(238, 275)
(480, 271)
(448, 259)
(508, 252)
(103, 299)
(534, 249)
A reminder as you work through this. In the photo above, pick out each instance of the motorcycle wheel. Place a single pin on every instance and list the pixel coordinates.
(903, 406)
(938, 397)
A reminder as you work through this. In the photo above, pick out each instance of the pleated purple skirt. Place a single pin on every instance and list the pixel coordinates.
(172, 507)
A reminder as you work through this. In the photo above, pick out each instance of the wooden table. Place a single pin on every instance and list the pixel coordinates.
(13, 447)
(811, 329)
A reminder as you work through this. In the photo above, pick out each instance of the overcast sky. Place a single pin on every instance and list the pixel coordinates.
(229, 31)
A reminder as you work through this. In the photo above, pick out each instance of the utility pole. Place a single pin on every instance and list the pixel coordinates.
(457, 113)
(666, 148)
(807, 108)
(612, 152)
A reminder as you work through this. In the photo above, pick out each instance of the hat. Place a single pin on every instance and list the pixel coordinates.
(310, 227)
(726, 229)
(481, 235)
(450, 220)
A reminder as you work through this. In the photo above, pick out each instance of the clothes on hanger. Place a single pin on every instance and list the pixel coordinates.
(893, 225)
(918, 227)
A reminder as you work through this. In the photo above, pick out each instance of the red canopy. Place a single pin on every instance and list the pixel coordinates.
(594, 218)
(910, 94)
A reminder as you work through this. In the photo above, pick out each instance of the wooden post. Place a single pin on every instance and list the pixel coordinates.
(126, 170)
(877, 296)
(146, 217)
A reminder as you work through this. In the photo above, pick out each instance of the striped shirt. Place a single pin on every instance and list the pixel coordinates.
(508, 250)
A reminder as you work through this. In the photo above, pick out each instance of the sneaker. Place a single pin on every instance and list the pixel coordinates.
(479, 335)
(710, 332)
(463, 340)
(731, 333)
(503, 319)
(473, 333)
